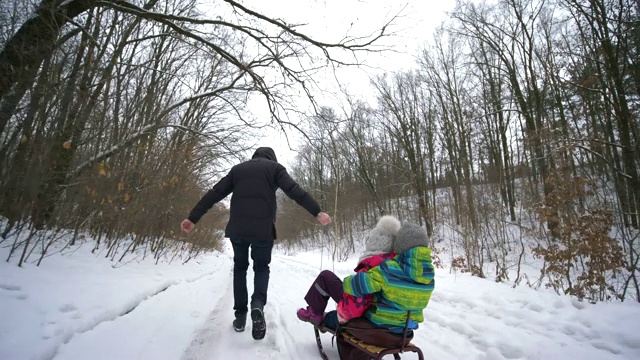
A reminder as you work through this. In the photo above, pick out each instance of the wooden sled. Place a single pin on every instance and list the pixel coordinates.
(375, 352)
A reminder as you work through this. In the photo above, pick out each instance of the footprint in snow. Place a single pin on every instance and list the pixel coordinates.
(461, 328)
(10, 287)
(67, 308)
(509, 351)
(491, 354)
(578, 304)
(559, 304)
(13, 291)
(629, 340)
(605, 347)
(536, 307)
(494, 314)
(569, 329)
(585, 322)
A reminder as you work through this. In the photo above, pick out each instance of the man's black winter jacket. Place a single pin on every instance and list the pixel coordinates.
(253, 203)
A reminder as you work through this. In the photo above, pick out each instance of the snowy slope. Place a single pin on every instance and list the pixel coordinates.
(80, 307)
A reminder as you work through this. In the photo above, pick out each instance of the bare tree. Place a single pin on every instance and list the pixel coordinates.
(103, 100)
(402, 103)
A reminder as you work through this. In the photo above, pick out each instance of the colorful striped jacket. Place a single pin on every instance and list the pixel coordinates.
(351, 307)
(402, 284)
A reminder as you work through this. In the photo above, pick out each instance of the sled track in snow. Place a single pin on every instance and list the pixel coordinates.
(208, 333)
(130, 307)
(217, 339)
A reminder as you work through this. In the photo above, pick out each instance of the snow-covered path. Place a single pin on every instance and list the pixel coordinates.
(287, 337)
(468, 318)
(185, 313)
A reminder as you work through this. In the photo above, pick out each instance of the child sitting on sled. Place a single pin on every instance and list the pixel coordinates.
(378, 244)
(400, 286)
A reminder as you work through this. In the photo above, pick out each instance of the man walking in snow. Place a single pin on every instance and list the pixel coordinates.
(252, 225)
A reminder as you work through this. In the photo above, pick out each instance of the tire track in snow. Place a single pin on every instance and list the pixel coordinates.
(200, 345)
(128, 308)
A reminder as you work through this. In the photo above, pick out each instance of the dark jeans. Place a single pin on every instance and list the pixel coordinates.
(261, 256)
(331, 320)
(327, 285)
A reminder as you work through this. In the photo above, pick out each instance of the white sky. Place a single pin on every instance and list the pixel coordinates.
(331, 20)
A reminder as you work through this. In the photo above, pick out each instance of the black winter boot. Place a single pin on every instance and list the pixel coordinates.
(259, 325)
(239, 322)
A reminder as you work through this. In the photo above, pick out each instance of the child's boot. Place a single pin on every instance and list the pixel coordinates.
(309, 315)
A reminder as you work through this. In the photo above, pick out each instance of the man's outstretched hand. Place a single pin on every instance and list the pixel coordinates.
(186, 226)
(324, 218)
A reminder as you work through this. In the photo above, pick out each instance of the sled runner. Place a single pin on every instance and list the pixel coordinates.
(374, 352)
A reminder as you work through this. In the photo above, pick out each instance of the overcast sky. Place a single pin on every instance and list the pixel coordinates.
(331, 20)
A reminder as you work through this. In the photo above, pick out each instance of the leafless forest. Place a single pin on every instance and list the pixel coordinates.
(519, 114)
(115, 116)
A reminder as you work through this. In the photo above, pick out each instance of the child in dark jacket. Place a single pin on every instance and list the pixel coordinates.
(378, 246)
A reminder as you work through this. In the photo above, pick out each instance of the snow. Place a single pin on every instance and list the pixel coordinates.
(80, 306)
